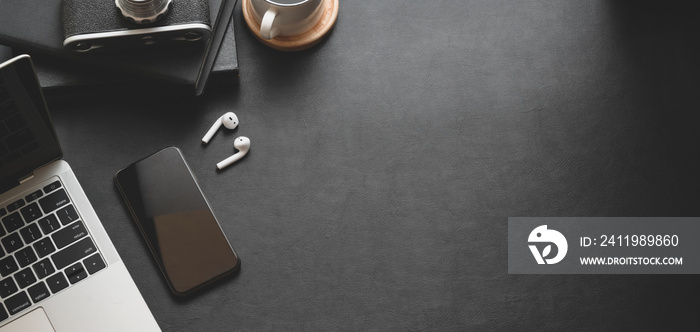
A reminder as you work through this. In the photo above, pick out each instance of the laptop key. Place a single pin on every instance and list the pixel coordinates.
(67, 215)
(31, 212)
(49, 224)
(54, 201)
(44, 247)
(12, 242)
(7, 287)
(8, 266)
(30, 233)
(18, 303)
(25, 256)
(57, 282)
(43, 268)
(25, 278)
(73, 253)
(76, 273)
(13, 222)
(15, 205)
(33, 196)
(38, 292)
(94, 263)
(53, 186)
(69, 234)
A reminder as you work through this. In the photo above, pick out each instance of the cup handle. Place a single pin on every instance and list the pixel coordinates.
(267, 31)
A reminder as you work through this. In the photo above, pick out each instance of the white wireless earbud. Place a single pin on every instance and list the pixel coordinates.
(242, 144)
(229, 120)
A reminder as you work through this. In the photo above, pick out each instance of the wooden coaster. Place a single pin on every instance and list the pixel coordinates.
(298, 42)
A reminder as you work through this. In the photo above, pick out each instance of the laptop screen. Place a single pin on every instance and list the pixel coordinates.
(27, 138)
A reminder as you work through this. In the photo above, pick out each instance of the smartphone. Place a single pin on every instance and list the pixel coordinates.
(176, 221)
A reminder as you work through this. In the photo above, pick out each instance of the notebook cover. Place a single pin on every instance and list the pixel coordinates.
(35, 26)
(227, 59)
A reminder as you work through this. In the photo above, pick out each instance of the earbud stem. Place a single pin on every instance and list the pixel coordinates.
(212, 131)
(230, 160)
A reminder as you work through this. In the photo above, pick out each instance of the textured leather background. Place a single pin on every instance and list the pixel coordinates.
(386, 161)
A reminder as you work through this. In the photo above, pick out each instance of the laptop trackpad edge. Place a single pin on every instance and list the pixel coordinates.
(35, 320)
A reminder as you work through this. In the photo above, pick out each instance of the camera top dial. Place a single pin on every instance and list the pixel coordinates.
(143, 11)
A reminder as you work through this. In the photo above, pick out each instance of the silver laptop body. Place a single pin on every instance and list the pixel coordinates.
(58, 268)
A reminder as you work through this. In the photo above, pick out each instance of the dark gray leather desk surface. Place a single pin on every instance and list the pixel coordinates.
(386, 161)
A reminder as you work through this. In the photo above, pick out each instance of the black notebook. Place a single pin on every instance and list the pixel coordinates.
(34, 26)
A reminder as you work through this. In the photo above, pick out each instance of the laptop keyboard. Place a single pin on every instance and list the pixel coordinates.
(44, 248)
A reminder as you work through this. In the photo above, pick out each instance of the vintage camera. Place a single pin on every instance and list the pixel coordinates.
(117, 24)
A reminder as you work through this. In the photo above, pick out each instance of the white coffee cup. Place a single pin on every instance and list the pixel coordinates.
(286, 17)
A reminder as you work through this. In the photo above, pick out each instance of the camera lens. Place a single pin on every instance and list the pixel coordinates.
(143, 11)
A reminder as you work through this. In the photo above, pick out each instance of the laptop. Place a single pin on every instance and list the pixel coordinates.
(59, 271)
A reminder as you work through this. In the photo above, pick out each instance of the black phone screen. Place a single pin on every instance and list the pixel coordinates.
(176, 220)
